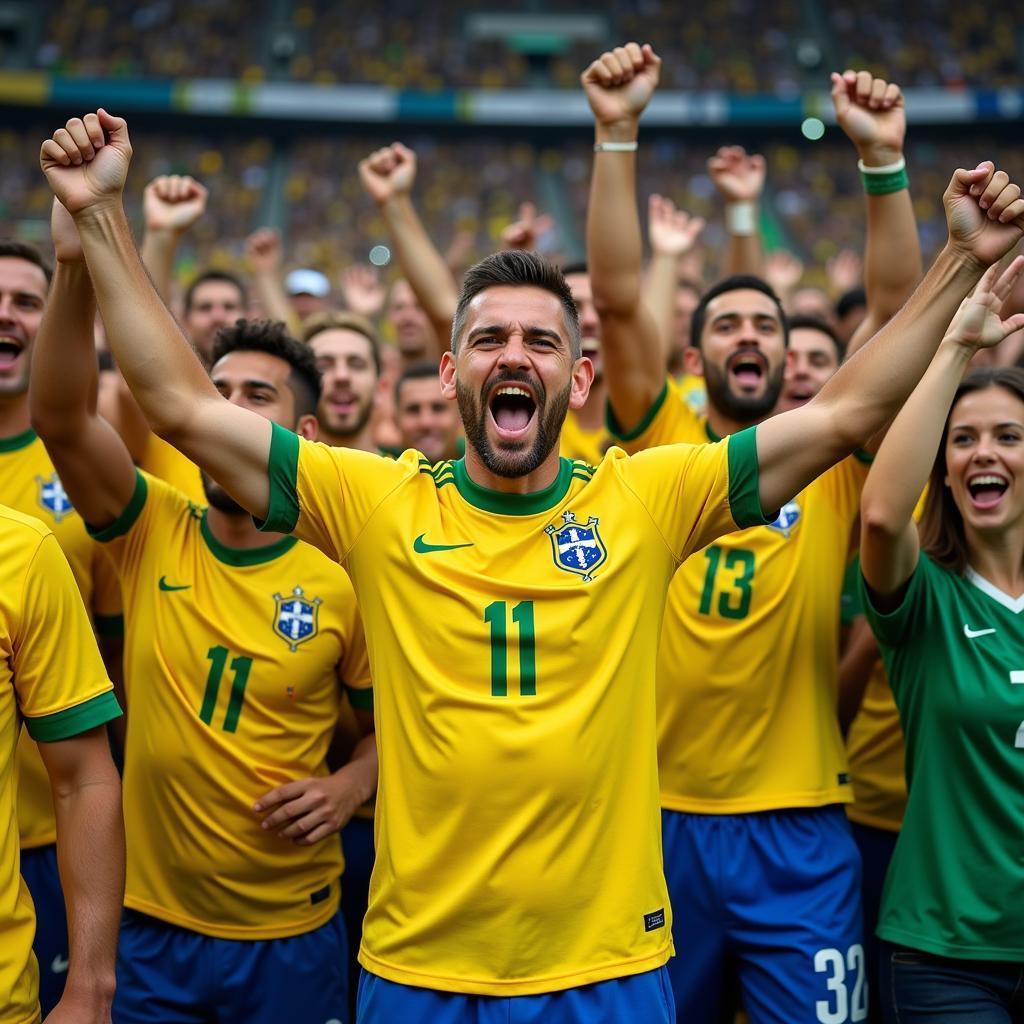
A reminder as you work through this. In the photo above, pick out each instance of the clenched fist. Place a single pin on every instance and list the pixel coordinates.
(984, 213)
(173, 202)
(621, 82)
(870, 111)
(388, 172)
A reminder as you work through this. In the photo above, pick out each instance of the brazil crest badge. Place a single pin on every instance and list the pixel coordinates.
(577, 547)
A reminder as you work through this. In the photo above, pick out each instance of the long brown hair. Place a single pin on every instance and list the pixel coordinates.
(942, 526)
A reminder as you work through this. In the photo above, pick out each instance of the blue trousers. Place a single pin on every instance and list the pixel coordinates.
(39, 869)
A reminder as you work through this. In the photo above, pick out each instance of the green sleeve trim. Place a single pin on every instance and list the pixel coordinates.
(108, 625)
(62, 725)
(744, 481)
(615, 428)
(126, 520)
(862, 456)
(361, 700)
(283, 474)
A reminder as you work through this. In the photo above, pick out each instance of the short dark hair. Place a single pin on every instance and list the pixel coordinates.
(333, 320)
(216, 275)
(941, 528)
(11, 248)
(578, 267)
(809, 322)
(735, 283)
(272, 337)
(517, 268)
(418, 371)
(855, 298)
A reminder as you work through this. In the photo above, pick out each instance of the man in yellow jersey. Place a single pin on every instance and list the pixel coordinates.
(760, 862)
(29, 484)
(513, 602)
(52, 678)
(235, 650)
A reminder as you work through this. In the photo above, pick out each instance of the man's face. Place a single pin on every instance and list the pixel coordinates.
(345, 359)
(744, 353)
(426, 420)
(413, 331)
(257, 381)
(590, 322)
(514, 377)
(306, 305)
(22, 298)
(215, 304)
(812, 360)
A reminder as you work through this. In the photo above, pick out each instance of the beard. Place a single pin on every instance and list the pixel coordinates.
(513, 460)
(345, 429)
(741, 408)
(219, 498)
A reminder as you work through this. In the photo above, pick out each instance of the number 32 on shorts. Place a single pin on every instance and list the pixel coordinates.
(847, 986)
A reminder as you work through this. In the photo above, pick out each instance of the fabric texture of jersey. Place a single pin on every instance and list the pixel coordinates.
(29, 484)
(748, 665)
(874, 742)
(954, 651)
(581, 444)
(512, 642)
(166, 463)
(779, 894)
(52, 678)
(232, 658)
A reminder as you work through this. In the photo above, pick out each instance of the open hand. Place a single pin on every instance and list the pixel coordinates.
(672, 231)
(978, 323)
(738, 176)
(86, 161)
(525, 232)
(363, 290)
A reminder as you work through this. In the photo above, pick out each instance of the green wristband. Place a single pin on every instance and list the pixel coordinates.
(883, 184)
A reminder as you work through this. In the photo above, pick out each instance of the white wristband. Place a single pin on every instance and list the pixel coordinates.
(616, 147)
(741, 218)
(893, 168)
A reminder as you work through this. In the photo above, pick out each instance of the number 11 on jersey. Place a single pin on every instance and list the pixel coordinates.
(496, 616)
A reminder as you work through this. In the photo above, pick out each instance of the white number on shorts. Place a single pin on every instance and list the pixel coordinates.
(1017, 678)
(832, 961)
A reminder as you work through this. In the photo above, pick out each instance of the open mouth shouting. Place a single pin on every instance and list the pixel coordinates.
(512, 408)
(747, 370)
(11, 349)
(986, 490)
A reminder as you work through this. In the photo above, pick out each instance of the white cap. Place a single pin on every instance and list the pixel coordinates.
(307, 282)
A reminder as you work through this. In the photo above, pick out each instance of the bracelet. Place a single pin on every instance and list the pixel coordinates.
(741, 218)
(880, 181)
(616, 147)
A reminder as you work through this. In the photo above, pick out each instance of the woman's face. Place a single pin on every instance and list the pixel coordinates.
(985, 459)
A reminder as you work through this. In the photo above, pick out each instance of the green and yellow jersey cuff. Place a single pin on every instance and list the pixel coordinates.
(62, 725)
(126, 520)
(619, 433)
(361, 699)
(744, 481)
(283, 474)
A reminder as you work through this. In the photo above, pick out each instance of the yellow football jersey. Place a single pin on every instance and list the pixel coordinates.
(748, 665)
(580, 444)
(232, 666)
(29, 484)
(512, 642)
(693, 391)
(168, 464)
(51, 676)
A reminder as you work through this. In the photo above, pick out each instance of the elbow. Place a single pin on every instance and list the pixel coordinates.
(877, 520)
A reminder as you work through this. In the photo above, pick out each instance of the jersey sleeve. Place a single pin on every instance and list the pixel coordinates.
(354, 666)
(914, 611)
(325, 495)
(669, 420)
(696, 493)
(61, 684)
(843, 483)
(107, 609)
(124, 539)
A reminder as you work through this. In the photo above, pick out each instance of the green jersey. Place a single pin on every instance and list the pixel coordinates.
(954, 651)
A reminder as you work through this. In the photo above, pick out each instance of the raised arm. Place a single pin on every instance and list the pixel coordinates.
(171, 204)
(672, 234)
(388, 176)
(889, 540)
(871, 113)
(93, 462)
(619, 85)
(985, 215)
(263, 249)
(739, 178)
(86, 164)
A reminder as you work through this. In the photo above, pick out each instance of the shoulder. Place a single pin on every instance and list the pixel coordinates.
(21, 536)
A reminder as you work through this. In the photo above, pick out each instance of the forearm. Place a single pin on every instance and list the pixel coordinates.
(90, 853)
(274, 300)
(360, 773)
(659, 296)
(423, 266)
(903, 463)
(157, 362)
(65, 374)
(892, 255)
(744, 253)
(855, 668)
(158, 251)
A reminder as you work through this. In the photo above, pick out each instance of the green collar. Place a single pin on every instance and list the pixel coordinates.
(712, 436)
(244, 556)
(513, 504)
(19, 441)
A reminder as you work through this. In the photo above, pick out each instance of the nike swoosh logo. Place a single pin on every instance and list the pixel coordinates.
(164, 585)
(59, 965)
(421, 547)
(972, 633)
